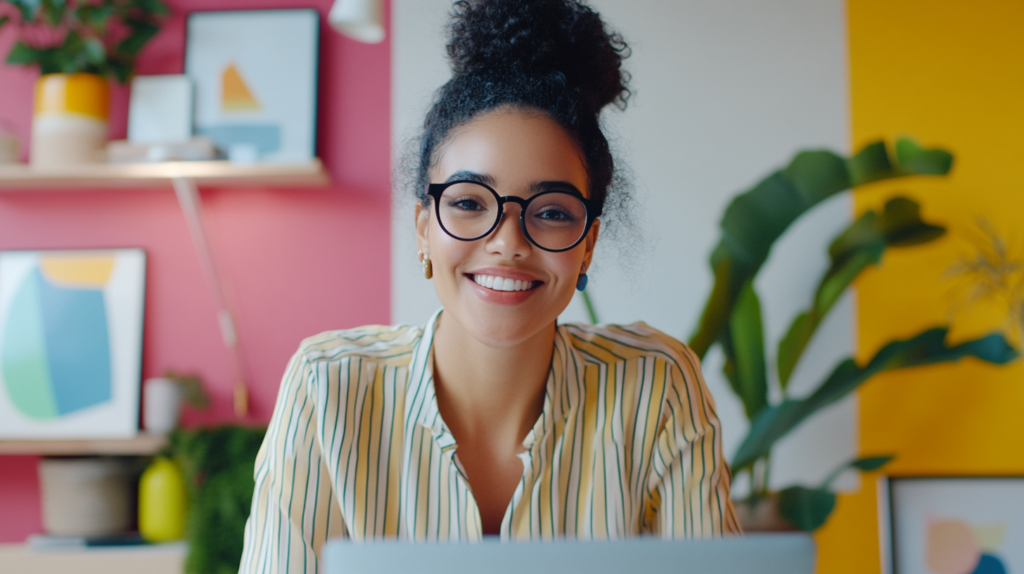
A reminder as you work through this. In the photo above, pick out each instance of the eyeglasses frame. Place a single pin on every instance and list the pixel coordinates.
(434, 191)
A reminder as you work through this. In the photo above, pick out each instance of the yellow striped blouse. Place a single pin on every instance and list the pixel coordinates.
(628, 443)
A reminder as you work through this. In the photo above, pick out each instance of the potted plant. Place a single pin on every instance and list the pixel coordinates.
(753, 221)
(77, 45)
(218, 468)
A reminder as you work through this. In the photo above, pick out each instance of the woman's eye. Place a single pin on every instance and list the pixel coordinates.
(554, 214)
(465, 204)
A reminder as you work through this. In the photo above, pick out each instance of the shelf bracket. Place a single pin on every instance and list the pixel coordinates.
(191, 207)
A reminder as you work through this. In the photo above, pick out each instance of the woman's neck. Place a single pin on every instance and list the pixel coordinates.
(490, 394)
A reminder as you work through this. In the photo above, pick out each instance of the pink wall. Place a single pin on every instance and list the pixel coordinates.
(295, 262)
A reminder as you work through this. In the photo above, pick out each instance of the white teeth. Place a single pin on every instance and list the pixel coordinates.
(502, 283)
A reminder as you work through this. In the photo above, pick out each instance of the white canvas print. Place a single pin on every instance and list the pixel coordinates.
(70, 343)
(941, 525)
(160, 110)
(255, 74)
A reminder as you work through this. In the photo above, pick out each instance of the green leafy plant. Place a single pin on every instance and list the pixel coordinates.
(68, 36)
(731, 318)
(218, 465)
(192, 389)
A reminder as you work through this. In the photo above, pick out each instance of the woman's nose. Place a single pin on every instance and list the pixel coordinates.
(508, 238)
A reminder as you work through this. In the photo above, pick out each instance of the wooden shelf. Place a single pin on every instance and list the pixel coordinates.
(147, 175)
(156, 559)
(142, 444)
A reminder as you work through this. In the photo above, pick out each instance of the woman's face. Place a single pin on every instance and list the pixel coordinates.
(514, 151)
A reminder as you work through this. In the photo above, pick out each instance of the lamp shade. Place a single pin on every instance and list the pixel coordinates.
(361, 20)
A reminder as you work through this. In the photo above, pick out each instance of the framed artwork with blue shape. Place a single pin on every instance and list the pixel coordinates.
(952, 524)
(71, 343)
(255, 76)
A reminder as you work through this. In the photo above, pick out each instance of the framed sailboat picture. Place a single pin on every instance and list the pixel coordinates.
(255, 76)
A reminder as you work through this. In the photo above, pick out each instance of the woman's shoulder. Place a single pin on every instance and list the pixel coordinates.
(381, 342)
(631, 341)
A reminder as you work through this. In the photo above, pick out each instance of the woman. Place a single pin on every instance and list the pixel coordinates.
(493, 419)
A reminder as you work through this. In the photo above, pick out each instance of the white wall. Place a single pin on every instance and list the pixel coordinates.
(725, 92)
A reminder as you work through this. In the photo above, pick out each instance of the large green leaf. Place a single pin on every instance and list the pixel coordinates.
(866, 464)
(806, 508)
(926, 348)
(21, 54)
(747, 372)
(756, 219)
(856, 248)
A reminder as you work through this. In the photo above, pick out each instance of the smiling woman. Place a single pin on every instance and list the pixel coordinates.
(493, 419)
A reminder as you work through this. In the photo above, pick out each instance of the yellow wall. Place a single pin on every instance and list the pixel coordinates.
(952, 74)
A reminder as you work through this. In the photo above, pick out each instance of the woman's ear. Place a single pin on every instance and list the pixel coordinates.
(422, 227)
(590, 242)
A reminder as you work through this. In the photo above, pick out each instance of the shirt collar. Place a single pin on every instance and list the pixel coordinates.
(564, 381)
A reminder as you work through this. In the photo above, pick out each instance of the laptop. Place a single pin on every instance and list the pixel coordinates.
(757, 553)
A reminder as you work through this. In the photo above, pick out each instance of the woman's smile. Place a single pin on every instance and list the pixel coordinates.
(503, 286)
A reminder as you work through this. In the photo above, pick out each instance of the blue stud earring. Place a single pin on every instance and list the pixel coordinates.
(581, 283)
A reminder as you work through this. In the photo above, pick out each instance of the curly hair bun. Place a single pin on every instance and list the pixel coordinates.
(515, 40)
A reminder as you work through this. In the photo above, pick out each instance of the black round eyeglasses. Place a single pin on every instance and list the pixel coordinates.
(552, 220)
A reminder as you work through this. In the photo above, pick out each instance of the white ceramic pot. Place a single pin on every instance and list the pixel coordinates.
(161, 405)
(88, 496)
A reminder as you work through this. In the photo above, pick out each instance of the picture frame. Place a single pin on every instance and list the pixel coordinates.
(255, 78)
(71, 327)
(952, 524)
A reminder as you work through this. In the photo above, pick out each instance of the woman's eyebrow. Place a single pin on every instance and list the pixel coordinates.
(554, 186)
(471, 176)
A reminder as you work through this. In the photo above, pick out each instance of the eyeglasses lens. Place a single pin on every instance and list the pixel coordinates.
(554, 219)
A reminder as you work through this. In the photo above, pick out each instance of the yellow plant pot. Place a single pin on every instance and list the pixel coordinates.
(70, 123)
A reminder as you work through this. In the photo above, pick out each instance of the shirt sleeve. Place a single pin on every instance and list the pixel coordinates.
(690, 478)
(293, 509)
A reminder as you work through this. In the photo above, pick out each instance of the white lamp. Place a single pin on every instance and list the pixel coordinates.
(361, 20)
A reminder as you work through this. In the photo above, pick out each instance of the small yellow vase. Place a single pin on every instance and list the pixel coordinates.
(163, 502)
(70, 123)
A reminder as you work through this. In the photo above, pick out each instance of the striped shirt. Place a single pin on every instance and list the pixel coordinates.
(628, 443)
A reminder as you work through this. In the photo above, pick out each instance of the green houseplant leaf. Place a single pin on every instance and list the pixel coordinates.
(865, 464)
(747, 372)
(756, 219)
(855, 249)
(926, 348)
(806, 508)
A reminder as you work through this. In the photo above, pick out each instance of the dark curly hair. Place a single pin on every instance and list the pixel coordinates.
(554, 56)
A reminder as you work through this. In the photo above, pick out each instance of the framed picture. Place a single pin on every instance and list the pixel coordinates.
(71, 343)
(255, 76)
(952, 525)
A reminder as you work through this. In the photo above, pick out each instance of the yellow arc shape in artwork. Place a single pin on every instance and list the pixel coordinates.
(85, 272)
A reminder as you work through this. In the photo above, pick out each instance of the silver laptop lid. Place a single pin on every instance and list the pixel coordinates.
(763, 554)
